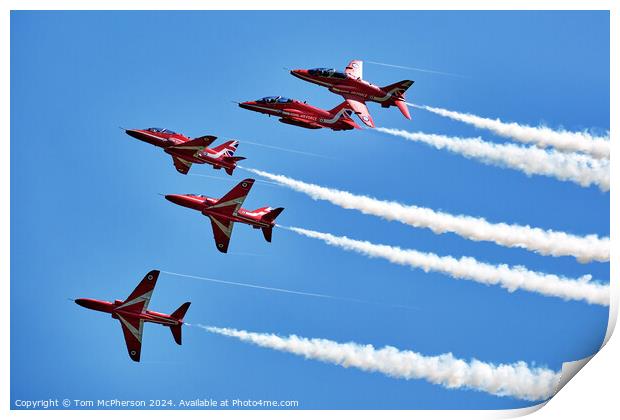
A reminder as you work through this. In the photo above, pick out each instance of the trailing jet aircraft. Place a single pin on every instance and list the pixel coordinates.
(185, 151)
(357, 91)
(224, 212)
(133, 312)
(303, 115)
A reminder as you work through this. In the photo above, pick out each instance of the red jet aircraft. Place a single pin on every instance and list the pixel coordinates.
(227, 210)
(357, 91)
(185, 151)
(132, 313)
(301, 114)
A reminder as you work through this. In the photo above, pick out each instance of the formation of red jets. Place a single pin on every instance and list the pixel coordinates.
(349, 84)
(224, 212)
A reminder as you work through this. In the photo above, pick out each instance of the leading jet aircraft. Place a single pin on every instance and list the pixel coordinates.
(133, 312)
(303, 115)
(185, 151)
(224, 212)
(357, 91)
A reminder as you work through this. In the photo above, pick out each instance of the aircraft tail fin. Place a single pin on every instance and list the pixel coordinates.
(271, 215)
(268, 215)
(267, 232)
(232, 160)
(403, 108)
(176, 330)
(177, 333)
(397, 90)
(397, 96)
(179, 314)
(228, 148)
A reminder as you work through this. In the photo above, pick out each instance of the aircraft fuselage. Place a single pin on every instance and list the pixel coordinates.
(202, 204)
(362, 89)
(115, 309)
(302, 114)
(166, 140)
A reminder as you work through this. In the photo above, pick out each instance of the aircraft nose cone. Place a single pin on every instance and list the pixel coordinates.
(133, 133)
(81, 302)
(190, 201)
(246, 105)
(175, 198)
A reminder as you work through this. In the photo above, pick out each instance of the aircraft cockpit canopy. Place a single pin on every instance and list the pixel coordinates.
(160, 130)
(274, 99)
(325, 72)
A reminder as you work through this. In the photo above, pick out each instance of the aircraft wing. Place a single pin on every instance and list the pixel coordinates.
(205, 140)
(354, 69)
(230, 203)
(132, 330)
(139, 299)
(194, 146)
(182, 165)
(360, 108)
(222, 230)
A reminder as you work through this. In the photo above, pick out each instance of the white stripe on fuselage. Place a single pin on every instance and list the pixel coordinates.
(181, 147)
(387, 96)
(332, 120)
(164, 320)
(216, 155)
(241, 218)
(202, 151)
(257, 213)
(335, 118)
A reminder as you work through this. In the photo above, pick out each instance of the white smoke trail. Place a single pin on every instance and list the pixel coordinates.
(575, 167)
(510, 278)
(569, 141)
(516, 380)
(545, 242)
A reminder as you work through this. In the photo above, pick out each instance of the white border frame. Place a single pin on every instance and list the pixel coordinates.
(594, 394)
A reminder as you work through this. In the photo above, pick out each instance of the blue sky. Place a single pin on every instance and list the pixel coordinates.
(87, 220)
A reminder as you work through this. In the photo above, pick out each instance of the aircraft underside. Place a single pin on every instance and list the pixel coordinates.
(300, 124)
